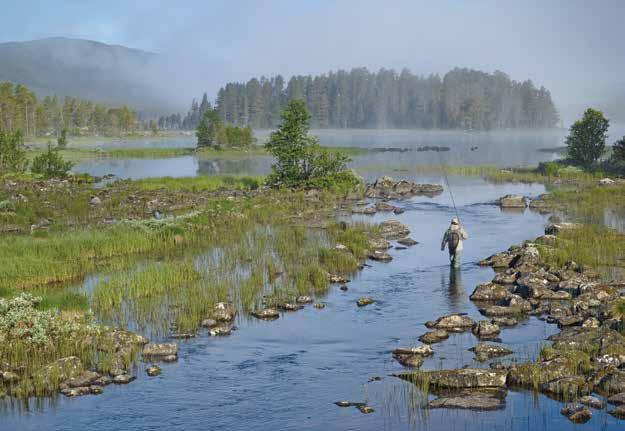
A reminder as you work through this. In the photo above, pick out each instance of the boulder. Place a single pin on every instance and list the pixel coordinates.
(365, 300)
(384, 207)
(387, 188)
(319, 305)
(462, 378)
(568, 387)
(556, 228)
(303, 299)
(398, 211)
(434, 336)
(422, 350)
(532, 374)
(363, 210)
(613, 383)
(153, 370)
(504, 321)
(606, 182)
(499, 311)
(85, 378)
(490, 292)
(208, 323)
(591, 401)
(76, 392)
(577, 413)
(485, 351)
(408, 242)
(618, 412)
(486, 329)
(499, 260)
(224, 312)
(478, 401)
(266, 314)
(380, 256)
(220, 330)
(506, 278)
(95, 201)
(393, 229)
(123, 379)
(379, 244)
(452, 323)
(289, 306)
(410, 361)
(159, 350)
(512, 201)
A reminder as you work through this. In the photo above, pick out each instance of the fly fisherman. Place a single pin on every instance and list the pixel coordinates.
(453, 239)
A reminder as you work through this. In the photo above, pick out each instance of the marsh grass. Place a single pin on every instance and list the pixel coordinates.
(200, 183)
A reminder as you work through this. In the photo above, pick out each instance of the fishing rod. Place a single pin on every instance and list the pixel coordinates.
(453, 201)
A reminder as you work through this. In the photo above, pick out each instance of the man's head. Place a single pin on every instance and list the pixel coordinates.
(455, 221)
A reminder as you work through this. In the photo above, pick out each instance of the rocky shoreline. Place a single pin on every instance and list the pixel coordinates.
(585, 360)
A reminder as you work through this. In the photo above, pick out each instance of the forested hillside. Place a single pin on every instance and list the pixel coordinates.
(20, 109)
(462, 99)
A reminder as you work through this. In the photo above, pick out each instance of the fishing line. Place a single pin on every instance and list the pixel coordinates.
(453, 201)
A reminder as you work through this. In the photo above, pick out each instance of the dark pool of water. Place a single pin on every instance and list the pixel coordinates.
(286, 374)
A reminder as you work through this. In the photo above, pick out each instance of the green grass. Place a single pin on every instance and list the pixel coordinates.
(200, 183)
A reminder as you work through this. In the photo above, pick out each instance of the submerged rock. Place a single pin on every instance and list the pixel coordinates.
(434, 336)
(220, 330)
(460, 378)
(319, 305)
(153, 370)
(504, 321)
(486, 329)
(343, 403)
(577, 413)
(408, 242)
(364, 301)
(384, 207)
(452, 322)
(474, 400)
(485, 351)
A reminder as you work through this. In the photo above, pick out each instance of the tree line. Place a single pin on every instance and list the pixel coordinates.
(20, 109)
(461, 99)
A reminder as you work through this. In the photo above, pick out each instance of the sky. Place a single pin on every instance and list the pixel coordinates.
(573, 47)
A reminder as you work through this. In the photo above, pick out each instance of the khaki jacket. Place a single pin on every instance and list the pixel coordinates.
(460, 230)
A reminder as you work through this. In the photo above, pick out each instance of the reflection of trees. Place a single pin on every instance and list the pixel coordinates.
(249, 166)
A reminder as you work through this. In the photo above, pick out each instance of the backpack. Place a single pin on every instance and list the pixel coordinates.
(453, 239)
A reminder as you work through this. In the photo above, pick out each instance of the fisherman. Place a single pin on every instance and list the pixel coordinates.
(453, 239)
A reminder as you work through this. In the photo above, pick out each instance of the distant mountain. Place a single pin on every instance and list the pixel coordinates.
(90, 70)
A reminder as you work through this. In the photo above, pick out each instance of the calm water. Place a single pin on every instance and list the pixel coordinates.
(286, 374)
(506, 149)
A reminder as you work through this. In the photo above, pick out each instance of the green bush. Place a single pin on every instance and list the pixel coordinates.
(61, 141)
(50, 164)
(300, 161)
(549, 169)
(586, 140)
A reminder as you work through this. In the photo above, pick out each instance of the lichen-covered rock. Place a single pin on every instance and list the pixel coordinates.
(220, 330)
(224, 312)
(617, 399)
(508, 277)
(613, 383)
(434, 336)
(85, 378)
(365, 300)
(534, 374)
(477, 400)
(266, 314)
(379, 244)
(153, 370)
(499, 260)
(577, 413)
(387, 188)
(490, 292)
(380, 256)
(408, 242)
(499, 311)
(159, 350)
(591, 401)
(123, 379)
(303, 299)
(463, 378)
(410, 361)
(384, 207)
(485, 351)
(512, 201)
(486, 329)
(504, 321)
(393, 229)
(570, 386)
(452, 322)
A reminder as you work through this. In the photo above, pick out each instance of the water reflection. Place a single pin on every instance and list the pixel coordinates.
(456, 289)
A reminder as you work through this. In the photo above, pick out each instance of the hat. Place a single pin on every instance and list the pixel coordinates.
(455, 220)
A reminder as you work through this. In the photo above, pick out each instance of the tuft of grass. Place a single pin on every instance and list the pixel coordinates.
(203, 183)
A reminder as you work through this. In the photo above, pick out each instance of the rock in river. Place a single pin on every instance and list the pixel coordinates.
(393, 229)
(159, 350)
(434, 336)
(413, 356)
(123, 379)
(460, 378)
(380, 256)
(266, 314)
(618, 412)
(153, 370)
(224, 312)
(452, 323)
(591, 401)
(512, 201)
(470, 400)
(408, 242)
(486, 329)
(617, 399)
(364, 301)
(577, 413)
(303, 299)
(490, 292)
(485, 351)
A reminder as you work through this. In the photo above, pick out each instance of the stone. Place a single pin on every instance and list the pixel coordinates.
(182, 335)
(504, 321)
(408, 242)
(577, 413)
(499, 311)
(500, 260)
(220, 331)
(334, 278)
(303, 299)
(344, 288)
(266, 314)
(506, 278)
(365, 300)
(613, 383)
(462, 378)
(486, 329)
(452, 322)
(398, 211)
(479, 402)
(591, 401)
(512, 201)
(153, 370)
(95, 201)
(393, 229)
(9, 377)
(379, 244)
(159, 350)
(85, 378)
(591, 322)
(434, 336)
(422, 350)
(224, 312)
(343, 403)
(363, 210)
(490, 292)
(365, 409)
(95, 390)
(410, 361)
(556, 228)
(76, 392)
(606, 182)
(530, 374)
(123, 379)
(569, 386)
(170, 358)
(485, 351)
(380, 256)
(319, 306)
(289, 306)
(574, 320)
(387, 188)
(618, 412)
(617, 399)
(384, 207)
(209, 323)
